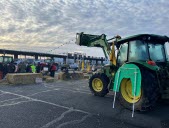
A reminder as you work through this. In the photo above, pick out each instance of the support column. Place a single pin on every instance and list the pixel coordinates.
(96, 62)
(15, 56)
(64, 60)
(75, 57)
(102, 62)
(36, 57)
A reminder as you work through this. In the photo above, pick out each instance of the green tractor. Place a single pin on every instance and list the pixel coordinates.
(138, 69)
(6, 59)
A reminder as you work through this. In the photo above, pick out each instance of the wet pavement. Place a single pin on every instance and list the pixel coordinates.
(69, 104)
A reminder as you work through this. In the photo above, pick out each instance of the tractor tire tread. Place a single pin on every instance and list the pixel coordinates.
(150, 90)
(105, 81)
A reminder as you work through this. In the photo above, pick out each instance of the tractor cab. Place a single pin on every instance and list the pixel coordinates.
(142, 48)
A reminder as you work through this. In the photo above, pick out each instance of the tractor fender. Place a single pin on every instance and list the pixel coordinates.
(132, 72)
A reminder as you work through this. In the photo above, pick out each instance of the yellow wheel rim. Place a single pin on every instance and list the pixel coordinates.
(97, 85)
(126, 91)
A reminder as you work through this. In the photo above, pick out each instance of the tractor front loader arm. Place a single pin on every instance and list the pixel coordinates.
(94, 41)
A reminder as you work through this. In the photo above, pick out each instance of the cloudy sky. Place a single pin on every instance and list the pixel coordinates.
(50, 26)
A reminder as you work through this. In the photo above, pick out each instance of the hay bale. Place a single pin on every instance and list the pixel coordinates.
(89, 72)
(46, 77)
(23, 78)
(70, 75)
(84, 71)
(81, 75)
(3, 82)
(38, 80)
(50, 80)
(64, 76)
(86, 76)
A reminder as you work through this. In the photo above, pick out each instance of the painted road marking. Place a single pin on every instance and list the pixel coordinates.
(29, 99)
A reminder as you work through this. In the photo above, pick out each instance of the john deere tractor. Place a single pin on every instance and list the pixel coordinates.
(138, 72)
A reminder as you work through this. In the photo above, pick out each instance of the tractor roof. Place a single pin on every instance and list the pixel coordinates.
(152, 37)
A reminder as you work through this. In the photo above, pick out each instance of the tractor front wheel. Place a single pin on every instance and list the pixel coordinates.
(98, 84)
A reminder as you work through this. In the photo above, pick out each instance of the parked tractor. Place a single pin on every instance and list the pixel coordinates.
(6, 59)
(138, 69)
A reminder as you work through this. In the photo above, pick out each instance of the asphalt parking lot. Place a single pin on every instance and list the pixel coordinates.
(69, 104)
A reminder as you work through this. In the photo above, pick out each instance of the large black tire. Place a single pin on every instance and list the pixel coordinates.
(98, 84)
(150, 93)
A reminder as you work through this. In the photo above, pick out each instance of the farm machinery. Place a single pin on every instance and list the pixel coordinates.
(138, 72)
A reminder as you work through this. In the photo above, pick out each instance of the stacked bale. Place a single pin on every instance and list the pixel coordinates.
(23, 78)
(64, 76)
(70, 76)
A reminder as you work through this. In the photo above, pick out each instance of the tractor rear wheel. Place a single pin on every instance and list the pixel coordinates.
(148, 96)
(98, 84)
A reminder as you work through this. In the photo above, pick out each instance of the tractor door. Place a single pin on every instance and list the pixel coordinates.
(138, 51)
(122, 54)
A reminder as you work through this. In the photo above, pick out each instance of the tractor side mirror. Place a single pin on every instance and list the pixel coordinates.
(103, 36)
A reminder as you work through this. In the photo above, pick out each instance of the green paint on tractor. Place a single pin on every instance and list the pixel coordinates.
(132, 72)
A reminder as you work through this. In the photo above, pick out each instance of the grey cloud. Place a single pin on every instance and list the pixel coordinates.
(47, 24)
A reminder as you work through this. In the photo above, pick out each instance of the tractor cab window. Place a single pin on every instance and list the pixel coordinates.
(137, 51)
(122, 54)
(156, 51)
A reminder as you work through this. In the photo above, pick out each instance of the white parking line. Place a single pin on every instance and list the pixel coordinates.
(65, 88)
(74, 121)
(14, 103)
(10, 99)
(58, 119)
(44, 92)
(46, 102)
(65, 123)
(29, 99)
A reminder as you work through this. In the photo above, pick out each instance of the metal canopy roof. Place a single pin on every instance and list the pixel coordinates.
(4, 51)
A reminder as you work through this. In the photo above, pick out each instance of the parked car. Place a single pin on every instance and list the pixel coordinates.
(29, 61)
(74, 66)
(18, 61)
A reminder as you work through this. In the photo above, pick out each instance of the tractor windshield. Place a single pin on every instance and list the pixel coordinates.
(156, 51)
